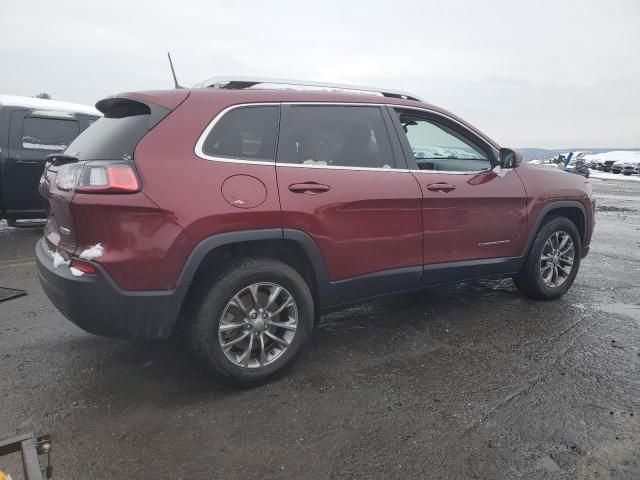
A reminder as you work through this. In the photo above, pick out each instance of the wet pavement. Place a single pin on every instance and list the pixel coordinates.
(469, 381)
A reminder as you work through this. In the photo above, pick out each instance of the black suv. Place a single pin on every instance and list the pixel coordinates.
(31, 129)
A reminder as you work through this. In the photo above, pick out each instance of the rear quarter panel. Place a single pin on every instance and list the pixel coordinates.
(142, 246)
(188, 188)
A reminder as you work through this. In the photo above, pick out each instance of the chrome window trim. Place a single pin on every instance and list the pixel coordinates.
(454, 172)
(341, 167)
(198, 150)
(203, 136)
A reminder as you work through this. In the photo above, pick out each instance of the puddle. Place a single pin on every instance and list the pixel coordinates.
(627, 309)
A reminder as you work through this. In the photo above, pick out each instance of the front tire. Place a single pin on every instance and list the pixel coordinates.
(253, 321)
(553, 261)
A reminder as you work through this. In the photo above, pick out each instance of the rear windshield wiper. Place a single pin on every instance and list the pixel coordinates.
(58, 159)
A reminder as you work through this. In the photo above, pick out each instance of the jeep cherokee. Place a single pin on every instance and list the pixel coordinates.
(237, 214)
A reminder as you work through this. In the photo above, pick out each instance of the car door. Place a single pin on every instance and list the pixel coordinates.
(470, 212)
(342, 181)
(32, 136)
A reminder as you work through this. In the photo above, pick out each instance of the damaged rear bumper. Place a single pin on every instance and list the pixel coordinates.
(96, 304)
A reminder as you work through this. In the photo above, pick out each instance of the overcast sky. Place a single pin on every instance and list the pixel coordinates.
(529, 74)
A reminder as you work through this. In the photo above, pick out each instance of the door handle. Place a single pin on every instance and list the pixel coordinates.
(440, 187)
(29, 162)
(310, 188)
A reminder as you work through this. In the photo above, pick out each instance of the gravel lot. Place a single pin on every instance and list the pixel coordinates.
(468, 381)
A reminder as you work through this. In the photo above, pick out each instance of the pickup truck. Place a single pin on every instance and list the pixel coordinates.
(31, 129)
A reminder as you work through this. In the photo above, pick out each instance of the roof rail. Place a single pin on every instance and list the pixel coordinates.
(238, 83)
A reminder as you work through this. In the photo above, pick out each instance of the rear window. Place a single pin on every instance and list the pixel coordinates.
(52, 134)
(116, 135)
(244, 133)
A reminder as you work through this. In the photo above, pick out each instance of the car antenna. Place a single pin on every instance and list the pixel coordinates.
(173, 72)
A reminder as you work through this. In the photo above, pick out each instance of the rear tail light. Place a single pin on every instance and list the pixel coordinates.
(109, 178)
(98, 177)
(79, 268)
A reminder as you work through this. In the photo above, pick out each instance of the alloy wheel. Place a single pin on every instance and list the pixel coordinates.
(556, 259)
(257, 325)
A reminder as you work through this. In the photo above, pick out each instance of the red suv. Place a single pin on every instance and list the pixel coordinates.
(237, 214)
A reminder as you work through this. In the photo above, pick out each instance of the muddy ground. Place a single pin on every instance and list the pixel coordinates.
(469, 381)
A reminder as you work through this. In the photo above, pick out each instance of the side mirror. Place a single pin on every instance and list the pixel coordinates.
(510, 158)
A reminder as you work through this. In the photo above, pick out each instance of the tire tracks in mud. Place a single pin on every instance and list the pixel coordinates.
(544, 372)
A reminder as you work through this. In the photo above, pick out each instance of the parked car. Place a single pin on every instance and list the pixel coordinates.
(605, 165)
(236, 215)
(625, 167)
(616, 167)
(592, 163)
(31, 129)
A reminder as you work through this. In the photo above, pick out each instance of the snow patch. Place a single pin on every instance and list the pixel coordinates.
(93, 252)
(75, 272)
(446, 153)
(42, 104)
(53, 113)
(59, 260)
(501, 172)
(42, 146)
(314, 162)
(614, 176)
(616, 155)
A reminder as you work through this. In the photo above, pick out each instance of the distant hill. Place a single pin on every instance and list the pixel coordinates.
(543, 153)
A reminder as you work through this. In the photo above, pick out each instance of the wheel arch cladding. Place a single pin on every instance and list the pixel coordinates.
(292, 247)
(571, 209)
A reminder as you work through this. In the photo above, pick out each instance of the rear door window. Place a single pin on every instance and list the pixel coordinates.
(53, 134)
(244, 133)
(336, 135)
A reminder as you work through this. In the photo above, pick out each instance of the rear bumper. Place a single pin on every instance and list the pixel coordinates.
(96, 304)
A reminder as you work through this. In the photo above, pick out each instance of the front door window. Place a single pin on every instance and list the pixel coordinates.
(437, 147)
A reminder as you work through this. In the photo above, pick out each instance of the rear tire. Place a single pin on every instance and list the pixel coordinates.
(260, 336)
(553, 260)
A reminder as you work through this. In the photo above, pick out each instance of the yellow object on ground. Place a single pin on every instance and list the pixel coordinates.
(4, 476)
